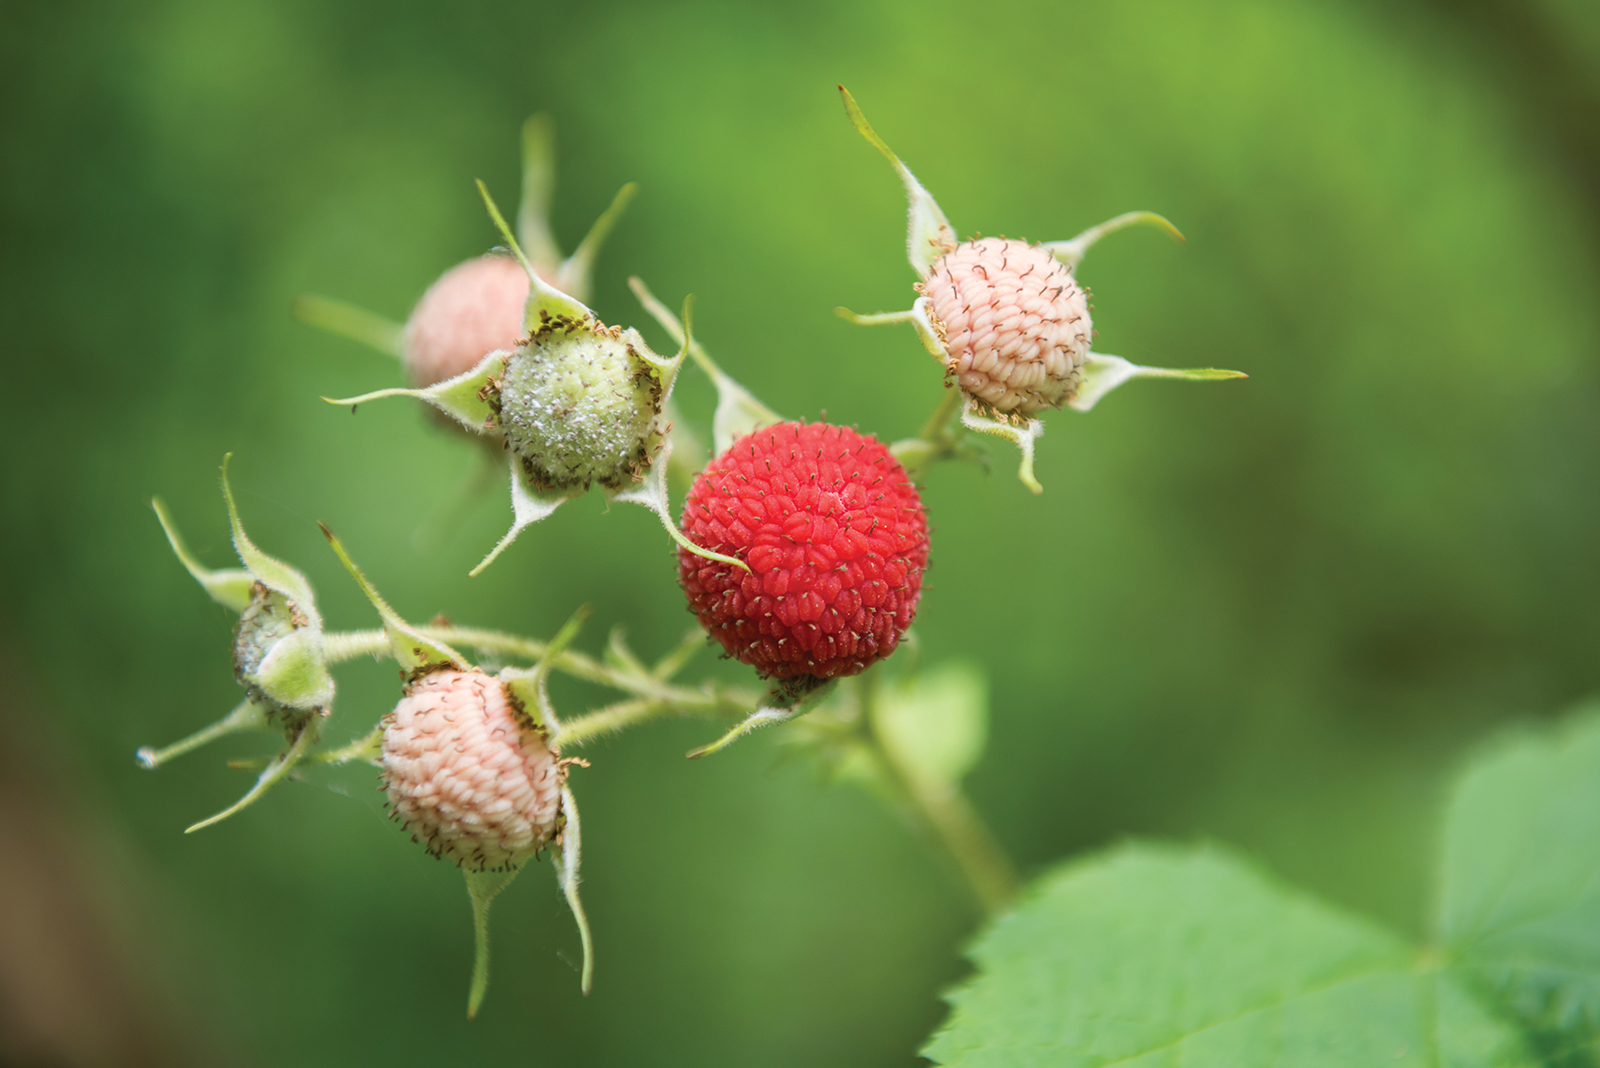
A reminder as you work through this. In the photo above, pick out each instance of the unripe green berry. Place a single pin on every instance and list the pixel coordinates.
(578, 406)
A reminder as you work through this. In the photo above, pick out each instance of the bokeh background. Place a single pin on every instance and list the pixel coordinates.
(1269, 612)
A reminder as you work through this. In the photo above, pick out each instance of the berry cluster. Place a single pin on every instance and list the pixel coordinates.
(802, 547)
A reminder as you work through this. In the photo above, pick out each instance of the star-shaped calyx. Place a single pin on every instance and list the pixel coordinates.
(280, 653)
(575, 404)
(472, 772)
(1008, 319)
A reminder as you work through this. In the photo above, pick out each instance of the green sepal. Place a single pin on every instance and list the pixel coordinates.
(463, 398)
(575, 275)
(272, 573)
(349, 321)
(766, 716)
(664, 368)
(738, 411)
(368, 749)
(1102, 374)
(415, 651)
(270, 776)
(1022, 437)
(229, 587)
(651, 493)
(1071, 252)
(531, 686)
(247, 715)
(565, 855)
(528, 506)
(484, 887)
(619, 655)
(916, 315)
(538, 183)
(929, 234)
(544, 300)
(295, 672)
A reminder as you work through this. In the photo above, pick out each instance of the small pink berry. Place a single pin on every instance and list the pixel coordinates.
(474, 308)
(1014, 322)
(469, 774)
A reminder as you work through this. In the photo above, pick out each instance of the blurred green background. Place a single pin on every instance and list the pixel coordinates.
(1270, 612)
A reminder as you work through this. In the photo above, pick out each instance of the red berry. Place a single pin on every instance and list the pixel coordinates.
(836, 541)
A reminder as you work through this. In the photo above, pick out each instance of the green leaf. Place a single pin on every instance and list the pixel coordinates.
(1519, 906)
(935, 724)
(1166, 956)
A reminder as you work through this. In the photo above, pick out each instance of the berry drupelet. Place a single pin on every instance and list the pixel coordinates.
(836, 541)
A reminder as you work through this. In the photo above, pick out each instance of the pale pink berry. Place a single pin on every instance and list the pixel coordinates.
(1014, 322)
(474, 308)
(468, 773)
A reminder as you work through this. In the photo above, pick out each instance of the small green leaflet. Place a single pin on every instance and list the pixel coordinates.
(1158, 956)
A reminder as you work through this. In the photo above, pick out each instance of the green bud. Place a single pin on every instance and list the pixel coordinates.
(278, 658)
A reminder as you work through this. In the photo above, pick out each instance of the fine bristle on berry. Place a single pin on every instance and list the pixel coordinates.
(475, 308)
(836, 541)
(578, 407)
(468, 773)
(1014, 322)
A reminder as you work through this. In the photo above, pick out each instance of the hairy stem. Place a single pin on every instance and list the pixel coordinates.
(947, 811)
(935, 441)
(940, 806)
(937, 428)
(656, 695)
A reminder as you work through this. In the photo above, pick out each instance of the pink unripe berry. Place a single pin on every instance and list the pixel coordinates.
(472, 310)
(1014, 322)
(468, 773)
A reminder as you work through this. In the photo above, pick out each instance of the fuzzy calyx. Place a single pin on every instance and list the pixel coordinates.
(278, 659)
(836, 540)
(1014, 322)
